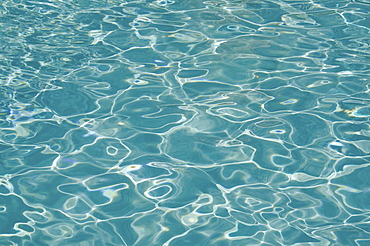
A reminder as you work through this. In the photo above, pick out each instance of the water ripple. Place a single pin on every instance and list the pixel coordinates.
(172, 122)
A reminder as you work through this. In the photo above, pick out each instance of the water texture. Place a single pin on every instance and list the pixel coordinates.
(184, 122)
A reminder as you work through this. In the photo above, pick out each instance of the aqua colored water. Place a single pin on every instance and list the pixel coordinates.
(184, 122)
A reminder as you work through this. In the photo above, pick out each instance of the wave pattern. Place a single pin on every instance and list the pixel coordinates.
(188, 122)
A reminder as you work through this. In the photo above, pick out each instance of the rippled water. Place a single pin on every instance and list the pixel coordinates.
(184, 122)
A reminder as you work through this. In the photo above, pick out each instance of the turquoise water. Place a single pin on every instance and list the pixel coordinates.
(184, 122)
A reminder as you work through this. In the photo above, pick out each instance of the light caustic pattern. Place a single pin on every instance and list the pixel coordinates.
(184, 122)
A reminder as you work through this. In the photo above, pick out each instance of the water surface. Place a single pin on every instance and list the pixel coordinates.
(184, 122)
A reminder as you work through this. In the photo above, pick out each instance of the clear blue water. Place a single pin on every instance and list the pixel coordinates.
(184, 122)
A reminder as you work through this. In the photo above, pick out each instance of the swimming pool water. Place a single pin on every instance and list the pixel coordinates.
(184, 122)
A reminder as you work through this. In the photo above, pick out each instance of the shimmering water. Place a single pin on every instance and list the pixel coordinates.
(184, 122)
